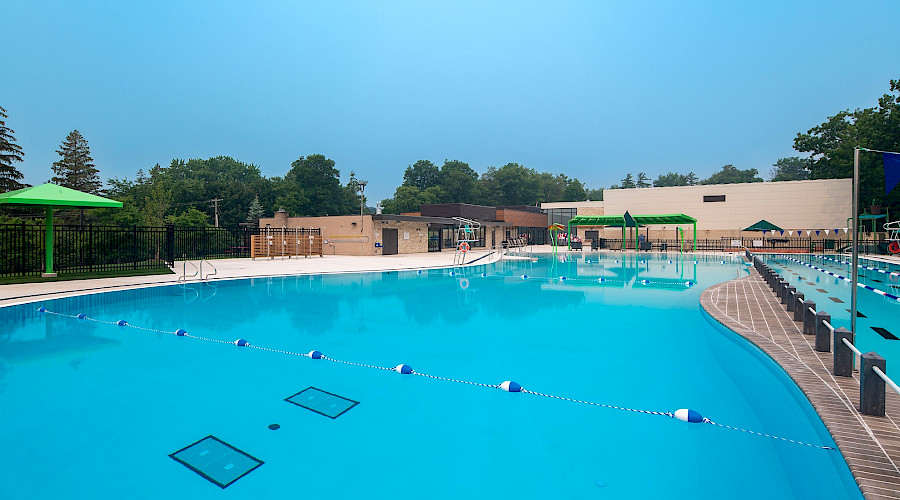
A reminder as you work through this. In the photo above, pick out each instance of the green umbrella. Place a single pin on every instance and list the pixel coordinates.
(763, 225)
(51, 195)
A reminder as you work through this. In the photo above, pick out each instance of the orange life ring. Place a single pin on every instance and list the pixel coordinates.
(464, 247)
(894, 247)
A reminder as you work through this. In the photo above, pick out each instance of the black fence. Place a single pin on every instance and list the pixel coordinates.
(90, 248)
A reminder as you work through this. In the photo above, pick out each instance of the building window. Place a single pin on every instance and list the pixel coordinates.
(717, 197)
(560, 215)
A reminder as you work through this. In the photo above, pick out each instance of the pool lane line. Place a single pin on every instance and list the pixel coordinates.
(882, 271)
(861, 285)
(405, 369)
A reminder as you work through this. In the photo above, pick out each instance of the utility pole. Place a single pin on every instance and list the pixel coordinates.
(362, 188)
(216, 204)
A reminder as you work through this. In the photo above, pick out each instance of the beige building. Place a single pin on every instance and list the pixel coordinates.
(722, 210)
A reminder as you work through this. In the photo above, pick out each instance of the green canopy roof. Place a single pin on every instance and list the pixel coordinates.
(618, 220)
(763, 225)
(56, 196)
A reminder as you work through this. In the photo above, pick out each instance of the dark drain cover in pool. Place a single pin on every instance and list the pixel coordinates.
(216, 460)
(321, 402)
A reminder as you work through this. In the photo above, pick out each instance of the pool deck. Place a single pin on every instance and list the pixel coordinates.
(870, 445)
(240, 268)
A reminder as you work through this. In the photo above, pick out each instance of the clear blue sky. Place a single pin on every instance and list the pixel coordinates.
(593, 89)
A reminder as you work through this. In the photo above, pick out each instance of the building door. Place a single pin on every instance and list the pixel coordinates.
(434, 239)
(389, 241)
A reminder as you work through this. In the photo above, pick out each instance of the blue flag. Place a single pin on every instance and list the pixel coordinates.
(891, 171)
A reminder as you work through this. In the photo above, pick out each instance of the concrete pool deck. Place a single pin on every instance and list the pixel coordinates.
(240, 268)
(869, 444)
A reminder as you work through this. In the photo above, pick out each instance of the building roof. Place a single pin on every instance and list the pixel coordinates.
(618, 220)
(430, 220)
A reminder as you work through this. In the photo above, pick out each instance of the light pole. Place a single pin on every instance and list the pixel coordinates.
(362, 188)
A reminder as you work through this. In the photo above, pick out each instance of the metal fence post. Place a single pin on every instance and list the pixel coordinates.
(871, 386)
(809, 317)
(170, 244)
(843, 356)
(823, 334)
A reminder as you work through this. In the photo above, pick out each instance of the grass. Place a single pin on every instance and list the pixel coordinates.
(15, 280)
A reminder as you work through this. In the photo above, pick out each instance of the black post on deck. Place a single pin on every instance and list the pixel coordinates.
(170, 244)
(843, 356)
(809, 317)
(823, 333)
(871, 386)
(798, 306)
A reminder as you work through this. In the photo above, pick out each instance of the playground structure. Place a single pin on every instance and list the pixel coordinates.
(627, 221)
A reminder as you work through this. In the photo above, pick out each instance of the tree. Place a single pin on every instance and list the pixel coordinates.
(256, 210)
(594, 194)
(422, 174)
(692, 179)
(731, 175)
(10, 152)
(628, 182)
(75, 169)
(410, 198)
(642, 180)
(793, 168)
(671, 179)
(189, 218)
(574, 191)
(459, 181)
(511, 184)
(313, 187)
(831, 145)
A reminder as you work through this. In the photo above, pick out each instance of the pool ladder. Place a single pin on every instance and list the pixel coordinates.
(197, 271)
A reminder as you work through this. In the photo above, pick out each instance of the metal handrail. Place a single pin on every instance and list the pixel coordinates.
(828, 325)
(215, 271)
(851, 346)
(886, 379)
(184, 277)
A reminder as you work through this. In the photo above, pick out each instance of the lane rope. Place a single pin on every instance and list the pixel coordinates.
(508, 386)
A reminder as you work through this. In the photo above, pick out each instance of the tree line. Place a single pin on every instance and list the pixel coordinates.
(185, 191)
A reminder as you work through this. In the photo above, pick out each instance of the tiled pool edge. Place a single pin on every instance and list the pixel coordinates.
(869, 445)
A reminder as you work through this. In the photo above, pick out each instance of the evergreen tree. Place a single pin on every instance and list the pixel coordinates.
(642, 180)
(76, 168)
(628, 182)
(9, 152)
(255, 211)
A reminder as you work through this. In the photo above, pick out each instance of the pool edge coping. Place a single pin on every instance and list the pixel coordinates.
(872, 485)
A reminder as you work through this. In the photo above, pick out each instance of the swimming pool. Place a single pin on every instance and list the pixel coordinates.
(95, 410)
(819, 277)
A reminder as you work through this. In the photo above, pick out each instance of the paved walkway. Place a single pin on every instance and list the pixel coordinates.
(241, 268)
(870, 445)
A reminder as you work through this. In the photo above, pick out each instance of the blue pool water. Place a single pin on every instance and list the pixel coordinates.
(93, 410)
(832, 295)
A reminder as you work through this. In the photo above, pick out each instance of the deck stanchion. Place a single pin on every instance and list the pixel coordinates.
(871, 386)
(787, 294)
(791, 299)
(809, 317)
(843, 356)
(823, 333)
(798, 306)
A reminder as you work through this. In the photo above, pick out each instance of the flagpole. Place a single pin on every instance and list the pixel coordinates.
(855, 259)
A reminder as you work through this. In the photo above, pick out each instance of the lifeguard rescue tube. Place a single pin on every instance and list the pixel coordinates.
(464, 247)
(894, 247)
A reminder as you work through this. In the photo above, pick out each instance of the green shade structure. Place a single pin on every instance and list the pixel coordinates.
(50, 195)
(628, 220)
(763, 225)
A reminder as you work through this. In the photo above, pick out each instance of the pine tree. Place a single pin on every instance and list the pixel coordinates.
(9, 152)
(255, 211)
(76, 168)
